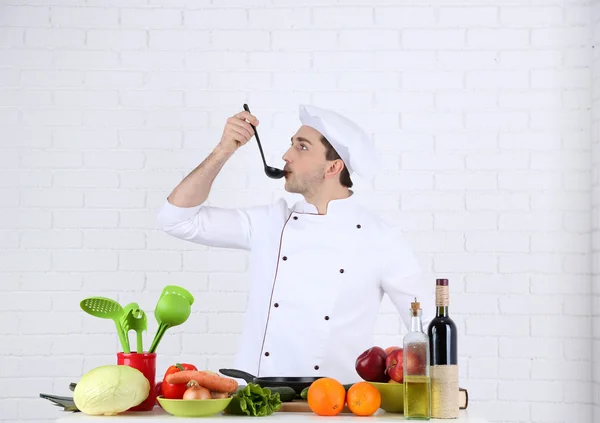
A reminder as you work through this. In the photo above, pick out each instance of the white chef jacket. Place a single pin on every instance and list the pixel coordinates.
(317, 281)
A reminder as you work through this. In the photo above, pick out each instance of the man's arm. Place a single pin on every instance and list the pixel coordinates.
(193, 190)
(183, 215)
(402, 281)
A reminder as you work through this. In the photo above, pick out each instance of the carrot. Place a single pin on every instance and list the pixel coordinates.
(210, 381)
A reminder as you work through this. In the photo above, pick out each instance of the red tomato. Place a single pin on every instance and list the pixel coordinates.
(175, 390)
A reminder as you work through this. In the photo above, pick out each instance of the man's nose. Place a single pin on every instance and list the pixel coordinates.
(286, 157)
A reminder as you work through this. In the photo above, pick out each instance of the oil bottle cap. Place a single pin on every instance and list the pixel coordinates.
(415, 306)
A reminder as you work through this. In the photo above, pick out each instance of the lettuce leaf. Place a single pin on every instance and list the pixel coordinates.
(255, 401)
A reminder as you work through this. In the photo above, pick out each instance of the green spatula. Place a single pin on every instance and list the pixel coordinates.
(124, 320)
(105, 308)
(141, 324)
(135, 319)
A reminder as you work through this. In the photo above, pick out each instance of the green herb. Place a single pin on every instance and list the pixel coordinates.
(254, 401)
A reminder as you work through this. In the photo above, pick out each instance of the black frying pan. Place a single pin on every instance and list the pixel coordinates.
(296, 383)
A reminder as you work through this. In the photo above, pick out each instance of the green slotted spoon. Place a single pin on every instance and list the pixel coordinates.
(105, 308)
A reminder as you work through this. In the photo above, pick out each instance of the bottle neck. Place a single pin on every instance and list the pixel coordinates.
(441, 300)
(441, 311)
(416, 325)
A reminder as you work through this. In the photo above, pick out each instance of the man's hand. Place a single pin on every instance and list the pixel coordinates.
(194, 188)
(237, 131)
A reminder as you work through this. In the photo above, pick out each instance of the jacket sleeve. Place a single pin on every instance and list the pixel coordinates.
(402, 281)
(211, 226)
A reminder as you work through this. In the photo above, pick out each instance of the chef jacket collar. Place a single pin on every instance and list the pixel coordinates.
(337, 207)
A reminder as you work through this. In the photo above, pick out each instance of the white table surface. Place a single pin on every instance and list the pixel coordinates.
(158, 415)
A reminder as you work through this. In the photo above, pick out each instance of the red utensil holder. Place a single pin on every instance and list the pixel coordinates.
(145, 363)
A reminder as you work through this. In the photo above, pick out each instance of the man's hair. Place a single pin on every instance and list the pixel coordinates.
(331, 154)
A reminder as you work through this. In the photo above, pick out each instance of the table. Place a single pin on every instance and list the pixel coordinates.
(158, 415)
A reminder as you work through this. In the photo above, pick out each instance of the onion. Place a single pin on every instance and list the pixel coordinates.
(195, 391)
(219, 395)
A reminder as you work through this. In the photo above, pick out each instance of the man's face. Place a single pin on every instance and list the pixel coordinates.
(305, 162)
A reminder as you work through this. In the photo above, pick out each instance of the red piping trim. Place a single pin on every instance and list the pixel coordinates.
(271, 299)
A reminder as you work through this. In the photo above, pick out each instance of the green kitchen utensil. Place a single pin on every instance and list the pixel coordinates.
(135, 320)
(66, 403)
(105, 308)
(124, 323)
(177, 290)
(171, 310)
(141, 325)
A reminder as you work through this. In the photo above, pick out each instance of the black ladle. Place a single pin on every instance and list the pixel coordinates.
(272, 172)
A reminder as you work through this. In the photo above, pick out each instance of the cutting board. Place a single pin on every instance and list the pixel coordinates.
(299, 406)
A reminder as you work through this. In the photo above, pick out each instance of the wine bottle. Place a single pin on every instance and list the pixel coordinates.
(443, 357)
(415, 360)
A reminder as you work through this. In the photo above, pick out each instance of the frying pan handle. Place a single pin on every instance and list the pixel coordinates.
(238, 374)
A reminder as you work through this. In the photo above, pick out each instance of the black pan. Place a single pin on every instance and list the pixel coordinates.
(296, 383)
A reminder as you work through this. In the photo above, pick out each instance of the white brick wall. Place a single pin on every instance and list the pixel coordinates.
(595, 144)
(482, 110)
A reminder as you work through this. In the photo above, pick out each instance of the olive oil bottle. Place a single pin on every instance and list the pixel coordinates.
(417, 382)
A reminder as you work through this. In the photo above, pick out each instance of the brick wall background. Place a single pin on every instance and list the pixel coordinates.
(482, 110)
(595, 210)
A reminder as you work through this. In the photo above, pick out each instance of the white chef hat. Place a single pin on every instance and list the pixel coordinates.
(350, 141)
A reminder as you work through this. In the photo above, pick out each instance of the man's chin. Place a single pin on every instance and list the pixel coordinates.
(290, 188)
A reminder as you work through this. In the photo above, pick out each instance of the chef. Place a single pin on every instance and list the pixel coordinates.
(319, 267)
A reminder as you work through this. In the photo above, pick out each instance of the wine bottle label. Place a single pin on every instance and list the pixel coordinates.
(442, 296)
(444, 391)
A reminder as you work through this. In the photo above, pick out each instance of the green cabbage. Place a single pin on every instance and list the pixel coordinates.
(109, 390)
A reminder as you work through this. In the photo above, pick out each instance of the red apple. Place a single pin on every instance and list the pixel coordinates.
(370, 365)
(395, 365)
(388, 350)
(413, 364)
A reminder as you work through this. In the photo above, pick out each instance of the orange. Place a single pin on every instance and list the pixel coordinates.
(363, 399)
(326, 397)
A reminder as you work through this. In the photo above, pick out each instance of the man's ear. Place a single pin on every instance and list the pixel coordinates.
(334, 169)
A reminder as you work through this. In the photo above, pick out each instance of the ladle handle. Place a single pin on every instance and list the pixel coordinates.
(246, 108)
(159, 334)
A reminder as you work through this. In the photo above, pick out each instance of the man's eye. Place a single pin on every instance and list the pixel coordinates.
(302, 146)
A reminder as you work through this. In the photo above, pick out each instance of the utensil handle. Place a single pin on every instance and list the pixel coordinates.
(140, 349)
(56, 398)
(124, 340)
(246, 108)
(238, 374)
(126, 335)
(159, 334)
